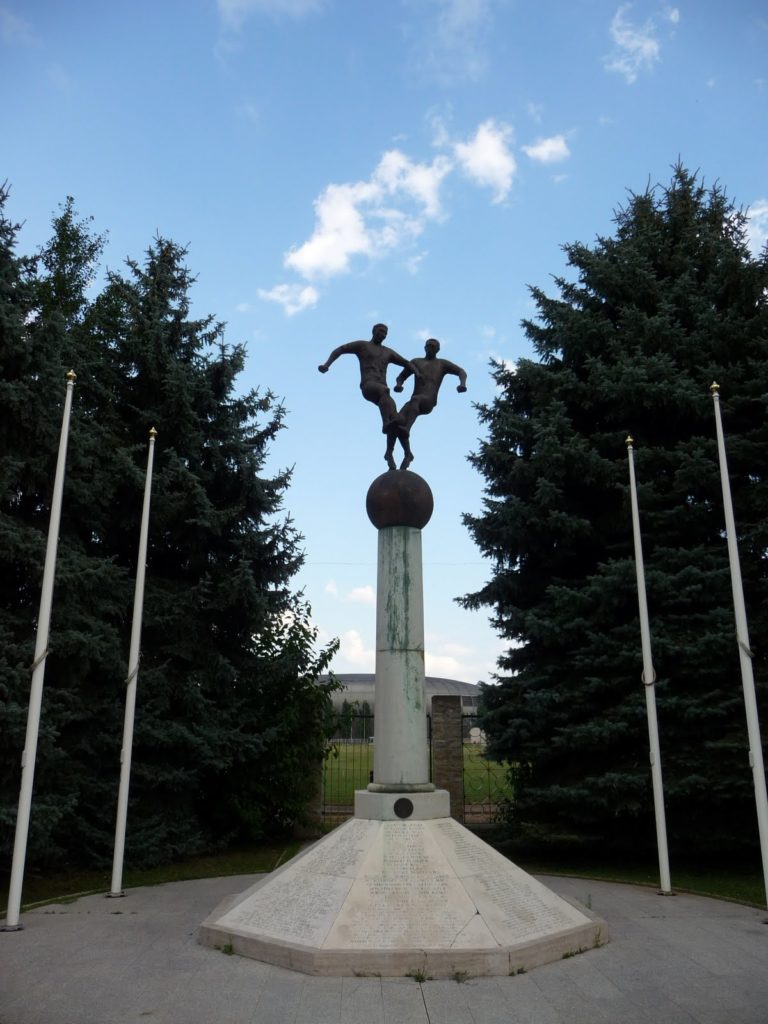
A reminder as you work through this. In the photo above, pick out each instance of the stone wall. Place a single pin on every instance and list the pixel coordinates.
(448, 751)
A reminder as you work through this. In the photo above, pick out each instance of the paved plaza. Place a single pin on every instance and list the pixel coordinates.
(671, 960)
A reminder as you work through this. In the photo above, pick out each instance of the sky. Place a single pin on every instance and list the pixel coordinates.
(331, 164)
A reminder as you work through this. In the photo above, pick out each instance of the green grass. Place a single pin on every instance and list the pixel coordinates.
(743, 885)
(61, 885)
(348, 768)
(485, 782)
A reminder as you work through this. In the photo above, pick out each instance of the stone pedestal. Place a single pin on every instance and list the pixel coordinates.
(392, 898)
(407, 806)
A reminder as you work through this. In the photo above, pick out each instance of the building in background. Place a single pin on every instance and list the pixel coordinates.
(359, 689)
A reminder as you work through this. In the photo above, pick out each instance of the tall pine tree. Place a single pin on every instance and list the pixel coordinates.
(671, 302)
(231, 721)
(232, 718)
(45, 301)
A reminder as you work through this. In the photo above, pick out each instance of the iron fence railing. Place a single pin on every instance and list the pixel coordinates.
(486, 783)
(349, 766)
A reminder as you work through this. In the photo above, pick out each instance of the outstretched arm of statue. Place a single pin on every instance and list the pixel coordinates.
(457, 371)
(408, 369)
(403, 376)
(340, 351)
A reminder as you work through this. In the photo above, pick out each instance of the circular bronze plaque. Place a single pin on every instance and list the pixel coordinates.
(403, 807)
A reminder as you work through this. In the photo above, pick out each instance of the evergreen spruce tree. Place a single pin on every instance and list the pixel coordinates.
(22, 493)
(231, 718)
(231, 722)
(39, 343)
(669, 304)
(91, 612)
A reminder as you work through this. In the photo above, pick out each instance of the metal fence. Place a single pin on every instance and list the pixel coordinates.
(486, 783)
(349, 766)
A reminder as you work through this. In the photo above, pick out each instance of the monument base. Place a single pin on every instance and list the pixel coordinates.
(398, 897)
(384, 805)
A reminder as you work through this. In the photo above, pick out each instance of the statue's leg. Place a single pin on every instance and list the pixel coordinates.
(388, 411)
(402, 436)
(389, 454)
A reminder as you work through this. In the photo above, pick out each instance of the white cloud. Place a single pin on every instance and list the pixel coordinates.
(636, 47)
(508, 364)
(340, 232)
(294, 298)
(438, 123)
(442, 665)
(535, 111)
(672, 14)
(14, 29)
(457, 650)
(454, 661)
(488, 332)
(362, 595)
(487, 159)
(548, 151)
(331, 588)
(234, 12)
(242, 307)
(249, 110)
(413, 263)
(59, 78)
(388, 211)
(452, 46)
(419, 181)
(757, 226)
(368, 218)
(353, 651)
(445, 657)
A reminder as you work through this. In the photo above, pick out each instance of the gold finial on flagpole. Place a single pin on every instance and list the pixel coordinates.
(714, 387)
(629, 441)
(71, 376)
(152, 433)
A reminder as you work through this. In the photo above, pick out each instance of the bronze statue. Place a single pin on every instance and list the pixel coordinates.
(430, 373)
(375, 358)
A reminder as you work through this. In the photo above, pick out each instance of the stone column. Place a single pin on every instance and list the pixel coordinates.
(399, 505)
(401, 755)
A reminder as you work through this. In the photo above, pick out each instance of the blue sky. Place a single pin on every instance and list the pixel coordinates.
(334, 163)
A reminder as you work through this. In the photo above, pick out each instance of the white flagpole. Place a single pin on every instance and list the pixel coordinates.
(745, 654)
(649, 680)
(38, 675)
(130, 691)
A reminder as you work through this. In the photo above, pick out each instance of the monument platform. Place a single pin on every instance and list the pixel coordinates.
(392, 898)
